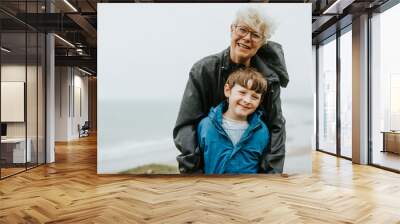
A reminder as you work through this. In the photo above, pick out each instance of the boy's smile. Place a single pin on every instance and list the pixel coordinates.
(242, 101)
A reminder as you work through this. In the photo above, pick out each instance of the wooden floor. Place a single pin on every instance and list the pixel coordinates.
(388, 159)
(10, 171)
(70, 191)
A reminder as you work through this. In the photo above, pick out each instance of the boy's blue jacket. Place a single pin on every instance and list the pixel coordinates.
(220, 155)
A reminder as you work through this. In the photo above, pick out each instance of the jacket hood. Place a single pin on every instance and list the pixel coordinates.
(269, 59)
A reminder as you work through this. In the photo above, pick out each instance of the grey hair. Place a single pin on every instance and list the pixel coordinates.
(256, 20)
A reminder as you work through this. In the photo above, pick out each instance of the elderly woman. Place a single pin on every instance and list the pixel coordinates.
(205, 89)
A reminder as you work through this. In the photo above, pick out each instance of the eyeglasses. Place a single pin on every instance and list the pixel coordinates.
(243, 31)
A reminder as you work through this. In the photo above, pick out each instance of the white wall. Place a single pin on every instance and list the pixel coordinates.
(15, 72)
(61, 103)
(80, 111)
(33, 126)
(69, 84)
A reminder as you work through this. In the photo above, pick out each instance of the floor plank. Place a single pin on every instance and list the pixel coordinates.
(70, 191)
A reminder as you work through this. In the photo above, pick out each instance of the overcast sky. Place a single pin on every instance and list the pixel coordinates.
(145, 51)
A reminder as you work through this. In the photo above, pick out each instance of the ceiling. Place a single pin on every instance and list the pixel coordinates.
(76, 22)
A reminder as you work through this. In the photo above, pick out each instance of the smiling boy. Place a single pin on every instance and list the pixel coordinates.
(233, 137)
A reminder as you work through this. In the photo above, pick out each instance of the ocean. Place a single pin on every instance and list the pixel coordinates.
(136, 133)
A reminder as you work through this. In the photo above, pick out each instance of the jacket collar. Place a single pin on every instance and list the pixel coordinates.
(216, 115)
(227, 63)
(266, 61)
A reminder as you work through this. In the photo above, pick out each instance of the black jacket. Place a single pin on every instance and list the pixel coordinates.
(205, 89)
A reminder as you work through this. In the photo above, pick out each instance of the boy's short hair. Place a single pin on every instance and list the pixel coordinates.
(243, 75)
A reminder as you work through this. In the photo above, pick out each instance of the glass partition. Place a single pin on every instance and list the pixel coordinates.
(32, 84)
(385, 87)
(327, 96)
(41, 87)
(41, 90)
(32, 94)
(22, 77)
(346, 94)
(13, 109)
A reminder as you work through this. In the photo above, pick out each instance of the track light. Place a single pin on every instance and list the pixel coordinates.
(334, 8)
(70, 5)
(84, 71)
(5, 50)
(65, 41)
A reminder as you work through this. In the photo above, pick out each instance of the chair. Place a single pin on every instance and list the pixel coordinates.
(84, 130)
